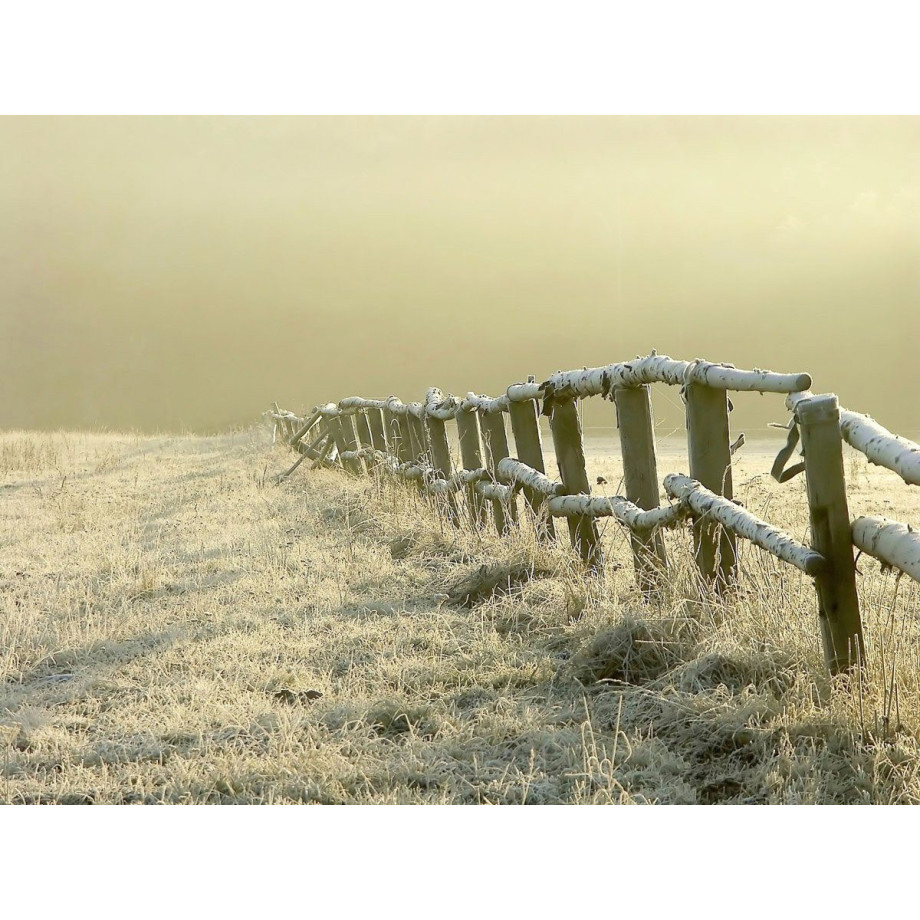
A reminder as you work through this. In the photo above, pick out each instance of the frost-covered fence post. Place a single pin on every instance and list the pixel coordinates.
(709, 446)
(306, 427)
(470, 455)
(570, 455)
(364, 429)
(325, 451)
(440, 459)
(338, 436)
(495, 447)
(818, 419)
(350, 442)
(417, 436)
(640, 474)
(375, 423)
(400, 439)
(525, 426)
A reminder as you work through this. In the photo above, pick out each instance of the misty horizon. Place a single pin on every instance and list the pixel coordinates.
(182, 273)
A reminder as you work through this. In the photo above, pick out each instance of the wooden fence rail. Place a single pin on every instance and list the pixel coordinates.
(410, 440)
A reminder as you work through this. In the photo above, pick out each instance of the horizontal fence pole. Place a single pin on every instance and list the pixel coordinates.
(704, 503)
(880, 446)
(891, 542)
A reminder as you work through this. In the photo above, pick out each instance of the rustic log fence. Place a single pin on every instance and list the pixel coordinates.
(411, 441)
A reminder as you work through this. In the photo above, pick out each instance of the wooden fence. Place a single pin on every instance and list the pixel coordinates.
(411, 441)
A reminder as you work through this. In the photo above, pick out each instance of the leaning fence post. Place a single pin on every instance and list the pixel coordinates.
(711, 464)
(326, 450)
(525, 426)
(468, 430)
(818, 419)
(570, 455)
(640, 475)
(495, 447)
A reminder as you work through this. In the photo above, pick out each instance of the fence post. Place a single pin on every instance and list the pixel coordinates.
(397, 433)
(640, 475)
(364, 430)
(495, 447)
(326, 450)
(350, 442)
(375, 423)
(525, 426)
(417, 437)
(468, 430)
(440, 458)
(838, 603)
(711, 464)
(570, 455)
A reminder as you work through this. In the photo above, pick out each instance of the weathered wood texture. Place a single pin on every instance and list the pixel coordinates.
(363, 428)
(710, 454)
(323, 457)
(880, 446)
(441, 461)
(640, 478)
(525, 426)
(376, 425)
(704, 503)
(838, 605)
(349, 444)
(891, 542)
(307, 426)
(495, 449)
(471, 456)
(570, 455)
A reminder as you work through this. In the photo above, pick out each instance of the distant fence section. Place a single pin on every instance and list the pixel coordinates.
(410, 440)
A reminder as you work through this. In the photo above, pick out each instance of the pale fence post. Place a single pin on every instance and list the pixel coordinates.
(440, 458)
(364, 430)
(818, 419)
(375, 423)
(495, 447)
(470, 455)
(418, 437)
(570, 455)
(399, 439)
(709, 446)
(528, 444)
(350, 442)
(326, 449)
(640, 478)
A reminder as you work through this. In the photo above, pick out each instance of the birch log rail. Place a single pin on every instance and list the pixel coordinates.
(385, 436)
(704, 503)
(880, 446)
(891, 542)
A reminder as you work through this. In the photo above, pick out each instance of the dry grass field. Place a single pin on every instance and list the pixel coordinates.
(176, 626)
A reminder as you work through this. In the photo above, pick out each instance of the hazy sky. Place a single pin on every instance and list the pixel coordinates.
(168, 273)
